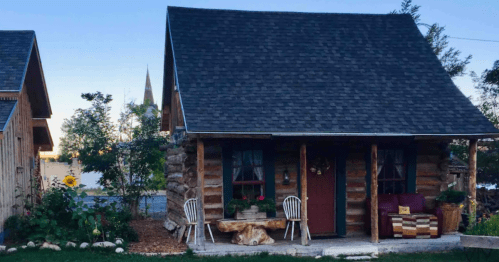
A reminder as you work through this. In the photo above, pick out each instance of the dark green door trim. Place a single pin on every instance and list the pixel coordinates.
(341, 196)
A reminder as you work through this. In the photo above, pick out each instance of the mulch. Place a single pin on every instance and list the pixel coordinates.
(154, 238)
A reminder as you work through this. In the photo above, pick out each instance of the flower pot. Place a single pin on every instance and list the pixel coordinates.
(451, 217)
(251, 213)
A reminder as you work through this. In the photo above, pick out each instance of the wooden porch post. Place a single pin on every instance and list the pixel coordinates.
(472, 177)
(374, 194)
(200, 194)
(304, 198)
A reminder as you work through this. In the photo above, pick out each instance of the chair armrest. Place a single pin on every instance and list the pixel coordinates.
(440, 216)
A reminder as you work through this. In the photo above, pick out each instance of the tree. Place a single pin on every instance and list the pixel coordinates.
(438, 40)
(126, 154)
(487, 86)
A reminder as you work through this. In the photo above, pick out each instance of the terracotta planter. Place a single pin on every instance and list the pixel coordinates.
(252, 213)
(452, 217)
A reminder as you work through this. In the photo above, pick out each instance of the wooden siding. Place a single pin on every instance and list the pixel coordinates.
(16, 157)
(356, 192)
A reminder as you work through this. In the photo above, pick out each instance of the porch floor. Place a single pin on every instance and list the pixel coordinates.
(335, 247)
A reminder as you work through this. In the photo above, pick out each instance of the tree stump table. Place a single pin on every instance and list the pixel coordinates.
(251, 232)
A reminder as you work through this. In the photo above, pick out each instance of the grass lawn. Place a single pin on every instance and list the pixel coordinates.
(102, 256)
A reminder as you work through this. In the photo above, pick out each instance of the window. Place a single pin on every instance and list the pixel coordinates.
(248, 178)
(391, 172)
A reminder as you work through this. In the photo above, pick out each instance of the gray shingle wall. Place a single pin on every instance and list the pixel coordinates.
(15, 49)
(242, 71)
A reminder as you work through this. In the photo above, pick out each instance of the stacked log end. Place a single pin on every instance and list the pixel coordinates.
(181, 177)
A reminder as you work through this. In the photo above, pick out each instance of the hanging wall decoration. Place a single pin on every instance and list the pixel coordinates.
(319, 166)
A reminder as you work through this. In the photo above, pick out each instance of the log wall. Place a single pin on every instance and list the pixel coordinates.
(16, 158)
(431, 171)
(285, 159)
(181, 176)
(356, 192)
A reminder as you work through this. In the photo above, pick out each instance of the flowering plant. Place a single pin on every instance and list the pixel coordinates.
(264, 204)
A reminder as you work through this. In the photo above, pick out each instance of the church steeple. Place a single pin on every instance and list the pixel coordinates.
(148, 91)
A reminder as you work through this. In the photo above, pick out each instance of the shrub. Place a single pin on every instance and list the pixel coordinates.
(62, 216)
(485, 228)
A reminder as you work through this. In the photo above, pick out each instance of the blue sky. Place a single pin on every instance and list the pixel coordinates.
(87, 46)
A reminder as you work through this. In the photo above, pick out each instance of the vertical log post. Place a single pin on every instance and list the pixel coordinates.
(304, 198)
(374, 194)
(200, 195)
(472, 177)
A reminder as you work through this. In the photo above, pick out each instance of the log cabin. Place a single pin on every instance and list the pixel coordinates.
(24, 109)
(332, 108)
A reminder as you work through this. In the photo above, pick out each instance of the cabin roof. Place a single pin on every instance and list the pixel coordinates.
(312, 73)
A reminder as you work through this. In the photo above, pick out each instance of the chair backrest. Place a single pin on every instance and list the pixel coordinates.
(292, 207)
(190, 210)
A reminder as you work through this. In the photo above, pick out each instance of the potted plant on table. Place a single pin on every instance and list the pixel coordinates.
(451, 204)
(251, 208)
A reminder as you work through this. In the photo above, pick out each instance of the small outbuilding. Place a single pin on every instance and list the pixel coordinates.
(24, 109)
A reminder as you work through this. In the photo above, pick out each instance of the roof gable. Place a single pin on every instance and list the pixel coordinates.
(20, 65)
(15, 50)
(317, 73)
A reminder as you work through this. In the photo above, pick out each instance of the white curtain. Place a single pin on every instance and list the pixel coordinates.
(237, 160)
(381, 160)
(258, 162)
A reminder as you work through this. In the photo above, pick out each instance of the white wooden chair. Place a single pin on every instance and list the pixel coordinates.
(191, 214)
(292, 209)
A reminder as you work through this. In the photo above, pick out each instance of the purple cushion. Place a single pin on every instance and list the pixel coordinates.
(415, 202)
(387, 202)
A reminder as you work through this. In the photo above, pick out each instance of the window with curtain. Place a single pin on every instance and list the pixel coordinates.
(391, 172)
(248, 179)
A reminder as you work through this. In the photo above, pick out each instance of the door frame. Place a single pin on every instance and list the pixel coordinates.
(332, 156)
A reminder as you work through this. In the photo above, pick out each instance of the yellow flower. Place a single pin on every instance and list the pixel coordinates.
(70, 181)
(461, 206)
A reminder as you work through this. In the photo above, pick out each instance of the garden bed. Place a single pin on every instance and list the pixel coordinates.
(154, 238)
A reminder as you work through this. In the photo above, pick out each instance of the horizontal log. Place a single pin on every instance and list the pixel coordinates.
(213, 199)
(213, 206)
(428, 181)
(356, 173)
(356, 195)
(175, 151)
(355, 212)
(213, 190)
(356, 184)
(176, 159)
(355, 229)
(174, 168)
(356, 189)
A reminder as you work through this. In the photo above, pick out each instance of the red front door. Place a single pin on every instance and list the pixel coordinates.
(321, 200)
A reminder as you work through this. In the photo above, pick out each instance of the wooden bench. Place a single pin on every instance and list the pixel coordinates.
(251, 232)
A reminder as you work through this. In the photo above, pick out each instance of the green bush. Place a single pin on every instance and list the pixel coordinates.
(452, 196)
(485, 228)
(62, 216)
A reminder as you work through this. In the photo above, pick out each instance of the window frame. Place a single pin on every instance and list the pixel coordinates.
(382, 182)
(242, 166)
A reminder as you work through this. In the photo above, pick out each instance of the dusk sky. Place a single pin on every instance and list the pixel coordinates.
(106, 46)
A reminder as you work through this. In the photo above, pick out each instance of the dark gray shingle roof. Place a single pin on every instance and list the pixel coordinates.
(243, 71)
(15, 48)
(6, 109)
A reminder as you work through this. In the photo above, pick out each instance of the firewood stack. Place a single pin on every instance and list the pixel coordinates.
(488, 200)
